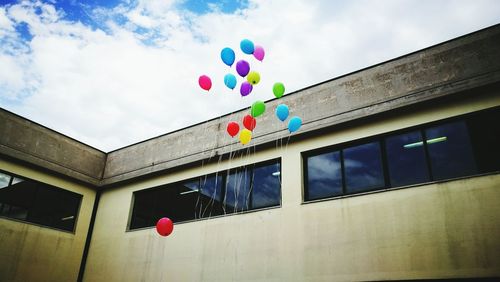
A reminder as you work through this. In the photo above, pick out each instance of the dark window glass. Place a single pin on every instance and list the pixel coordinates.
(237, 191)
(56, 208)
(165, 204)
(406, 159)
(363, 168)
(486, 140)
(184, 202)
(39, 203)
(144, 209)
(266, 186)
(176, 201)
(210, 203)
(324, 176)
(18, 199)
(450, 150)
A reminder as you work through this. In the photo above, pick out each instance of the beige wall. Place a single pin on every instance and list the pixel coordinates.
(439, 230)
(32, 253)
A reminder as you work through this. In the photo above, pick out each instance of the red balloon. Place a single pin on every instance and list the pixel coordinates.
(164, 226)
(233, 128)
(205, 82)
(249, 122)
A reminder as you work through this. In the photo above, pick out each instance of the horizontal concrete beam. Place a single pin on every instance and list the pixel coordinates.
(455, 66)
(24, 140)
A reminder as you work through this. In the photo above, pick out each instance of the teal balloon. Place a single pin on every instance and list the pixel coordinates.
(227, 56)
(247, 46)
(282, 112)
(230, 81)
(294, 124)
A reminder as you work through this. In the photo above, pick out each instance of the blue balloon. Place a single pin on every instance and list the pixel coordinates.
(227, 56)
(282, 112)
(230, 81)
(247, 46)
(294, 124)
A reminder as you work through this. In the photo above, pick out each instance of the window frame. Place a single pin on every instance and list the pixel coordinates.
(43, 185)
(223, 175)
(380, 138)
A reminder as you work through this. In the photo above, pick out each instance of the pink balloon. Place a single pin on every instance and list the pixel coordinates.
(205, 82)
(259, 53)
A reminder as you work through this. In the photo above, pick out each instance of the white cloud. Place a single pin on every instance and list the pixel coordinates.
(6, 25)
(114, 88)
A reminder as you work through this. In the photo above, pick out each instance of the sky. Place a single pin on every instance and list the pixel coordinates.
(112, 73)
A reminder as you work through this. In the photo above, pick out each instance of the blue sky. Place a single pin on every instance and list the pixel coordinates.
(82, 11)
(112, 73)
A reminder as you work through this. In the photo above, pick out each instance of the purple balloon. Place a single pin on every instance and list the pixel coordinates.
(242, 67)
(245, 88)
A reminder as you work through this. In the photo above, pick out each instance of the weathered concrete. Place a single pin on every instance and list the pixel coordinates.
(27, 141)
(29, 252)
(440, 230)
(461, 64)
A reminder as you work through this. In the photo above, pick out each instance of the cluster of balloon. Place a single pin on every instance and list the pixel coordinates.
(164, 226)
(242, 68)
(246, 87)
(282, 110)
(252, 77)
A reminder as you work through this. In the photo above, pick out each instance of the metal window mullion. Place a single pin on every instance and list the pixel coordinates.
(342, 172)
(250, 197)
(306, 179)
(223, 191)
(385, 164)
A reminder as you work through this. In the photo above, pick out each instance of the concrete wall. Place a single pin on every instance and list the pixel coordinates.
(28, 141)
(439, 230)
(32, 253)
(443, 70)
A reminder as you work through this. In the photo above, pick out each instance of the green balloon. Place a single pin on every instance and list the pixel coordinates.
(258, 108)
(278, 89)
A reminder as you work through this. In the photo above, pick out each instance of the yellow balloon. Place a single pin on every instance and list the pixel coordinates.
(245, 136)
(253, 77)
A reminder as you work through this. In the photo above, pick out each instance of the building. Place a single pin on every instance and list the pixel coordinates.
(394, 175)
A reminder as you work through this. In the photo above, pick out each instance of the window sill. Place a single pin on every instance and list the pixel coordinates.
(38, 225)
(399, 188)
(211, 217)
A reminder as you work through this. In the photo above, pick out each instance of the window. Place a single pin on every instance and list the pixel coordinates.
(442, 150)
(485, 138)
(210, 203)
(265, 180)
(450, 151)
(324, 176)
(406, 159)
(363, 168)
(237, 197)
(237, 190)
(39, 203)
